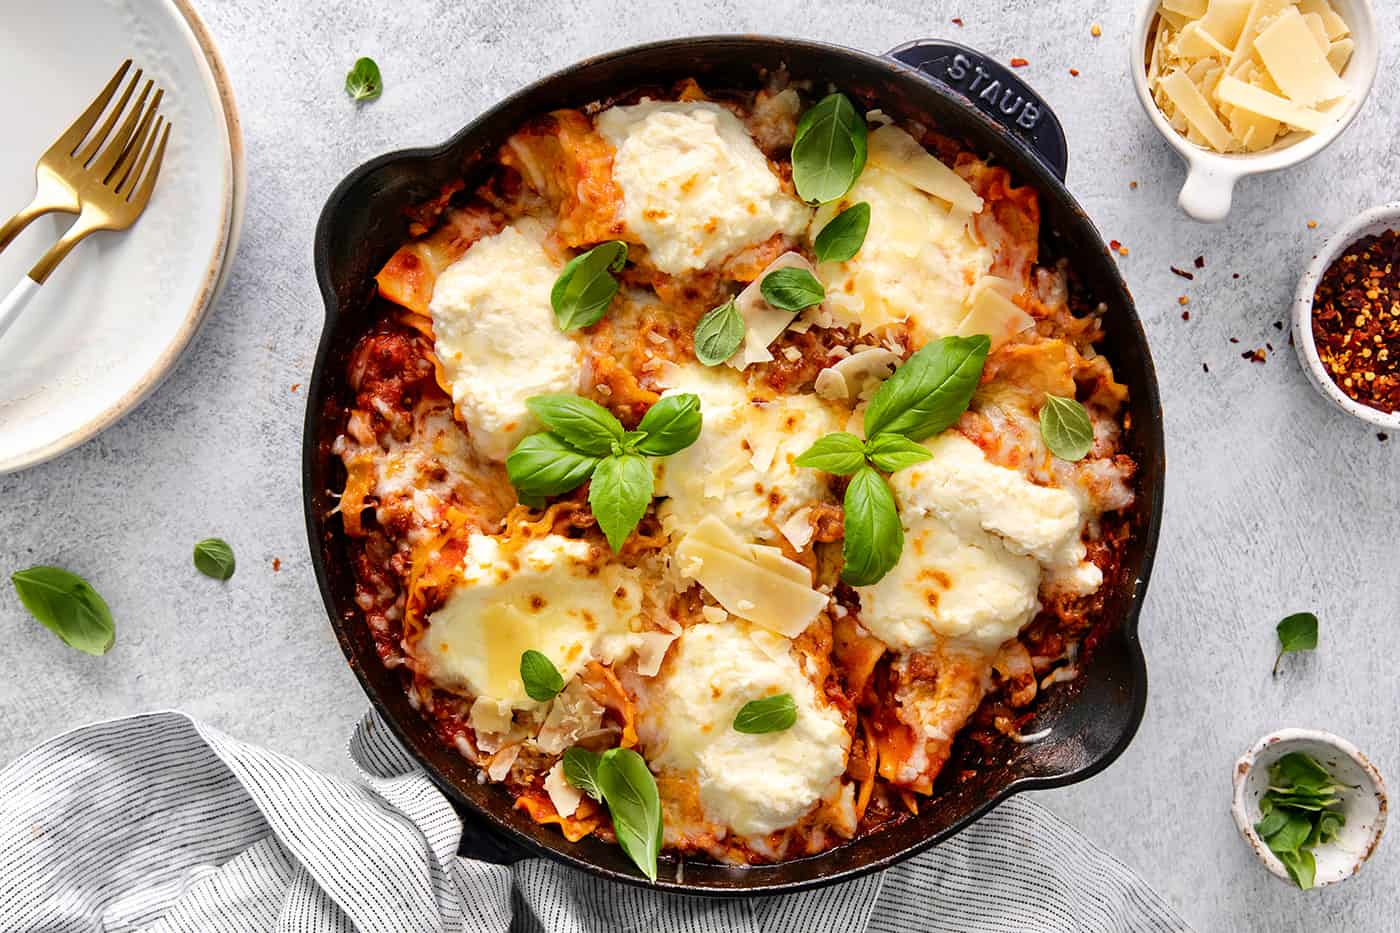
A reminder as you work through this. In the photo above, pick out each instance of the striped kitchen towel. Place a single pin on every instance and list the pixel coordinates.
(160, 823)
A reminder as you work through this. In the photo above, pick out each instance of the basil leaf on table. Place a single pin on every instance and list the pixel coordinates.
(586, 285)
(68, 606)
(581, 770)
(791, 289)
(214, 558)
(770, 714)
(874, 536)
(1297, 632)
(621, 491)
(931, 390)
(670, 426)
(829, 150)
(543, 465)
(541, 678)
(844, 234)
(841, 454)
(894, 452)
(719, 334)
(1066, 429)
(581, 423)
(634, 804)
(364, 82)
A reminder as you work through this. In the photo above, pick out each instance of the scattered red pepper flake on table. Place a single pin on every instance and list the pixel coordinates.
(1182, 272)
(1019, 63)
(1255, 356)
(1201, 263)
(1312, 225)
(1096, 30)
(1114, 245)
(957, 21)
(1205, 367)
(1183, 301)
(1133, 185)
(276, 564)
(1356, 321)
(1382, 436)
(1186, 315)
(1074, 72)
(1234, 340)
(295, 386)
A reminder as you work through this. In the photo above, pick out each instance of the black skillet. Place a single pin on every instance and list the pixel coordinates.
(964, 94)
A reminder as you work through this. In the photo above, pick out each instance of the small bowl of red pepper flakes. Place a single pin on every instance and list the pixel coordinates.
(1346, 318)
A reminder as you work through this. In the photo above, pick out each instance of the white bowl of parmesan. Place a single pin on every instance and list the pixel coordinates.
(1243, 87)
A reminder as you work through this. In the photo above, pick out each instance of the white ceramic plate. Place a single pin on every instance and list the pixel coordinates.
(113, 319)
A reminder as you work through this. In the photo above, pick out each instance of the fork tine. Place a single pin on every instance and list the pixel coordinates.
(122, 170)
(116, 146)
(95, 142)
(133, 174)
(143, 194)
(73, 136)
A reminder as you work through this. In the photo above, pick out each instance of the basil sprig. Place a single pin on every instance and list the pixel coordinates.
(770, 714)
(68, 606)
(586, 285)
(1297, 632)
(586, 441)
(364, 82)
(541, 678)
(620, 779)
(844, 234)
(1066, 429)
(719, 334)
(1298, 814)
(214, 558)
(791, 289)
(922, 398)
(829, 149)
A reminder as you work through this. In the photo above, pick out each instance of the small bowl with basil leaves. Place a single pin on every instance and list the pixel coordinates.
(1310, 805)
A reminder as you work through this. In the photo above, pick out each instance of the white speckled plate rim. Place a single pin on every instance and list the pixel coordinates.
(221, 260)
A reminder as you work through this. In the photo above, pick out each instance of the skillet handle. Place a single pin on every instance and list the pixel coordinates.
(993, 89)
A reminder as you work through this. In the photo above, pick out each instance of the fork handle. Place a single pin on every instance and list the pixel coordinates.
(24, 218)
(15, 301)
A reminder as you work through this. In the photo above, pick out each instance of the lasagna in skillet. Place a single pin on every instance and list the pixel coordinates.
(573, 488)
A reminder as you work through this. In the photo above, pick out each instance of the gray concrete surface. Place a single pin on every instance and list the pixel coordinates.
(1275, 503)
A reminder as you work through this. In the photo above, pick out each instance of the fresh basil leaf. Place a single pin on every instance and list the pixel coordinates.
(1266, 827)
(627, 443)
(1297, 632)
(874, 536)
(1066, 429)
(214, 558)
(829, 150)
(839, 453)
(671, 425)
(1302, 867)
(621, 491)
(68, 606)
(844, 234)
(581, 423)
(581, 770)
(1329, 826)
(586, 286)
(364, 81)
(719, 334)
(634, 804)
(791, 289)
(930, 391)
(1299, 770)
(895, 452)
(1291, 835)
(770, 714)
(541, 678)
(543, 465)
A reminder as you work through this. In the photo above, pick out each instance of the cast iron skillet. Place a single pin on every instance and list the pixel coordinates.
(954, 88)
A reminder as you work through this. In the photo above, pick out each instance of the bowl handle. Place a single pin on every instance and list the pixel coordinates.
(993, 89)
(1208, 192)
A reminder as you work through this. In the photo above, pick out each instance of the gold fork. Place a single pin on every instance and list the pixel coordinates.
(108, 186)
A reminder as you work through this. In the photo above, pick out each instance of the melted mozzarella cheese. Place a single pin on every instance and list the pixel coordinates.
(979, 538)
(695, 186)
(741, 468)
(751, 784)
(550, 594)
(497, 339)
(918, 264)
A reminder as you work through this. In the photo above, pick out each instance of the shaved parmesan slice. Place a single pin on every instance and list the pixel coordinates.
(1192, 9)
(994, 314)
(1259, 13)
(762, 322)
(856, 375)
(1195, 42)
(1336, 26)
(750, 581)
(1225, 20)
(651, 651)
(1197, 111)
(894, 150)
(562, 794)
(1296, 63)
(1339, 54)
(798, 528)
(1261, 102)
(1319, 31)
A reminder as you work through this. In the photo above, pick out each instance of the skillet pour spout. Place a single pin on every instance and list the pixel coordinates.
(966, 95)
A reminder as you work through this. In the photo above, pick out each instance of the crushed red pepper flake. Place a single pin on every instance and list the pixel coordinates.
(1278, 325)
(276, 564)
(1255, 356)
(1114, 245)
(1019, 63)
(1382, 436)
(1133, 185)
(295, 386)
(1186, 315)
(957, 21)
(1205, 367)
(1356, 321)
(1182, 272)
(1074, 72)
(1183, 301)
(1234, 340)
(1201, 263)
